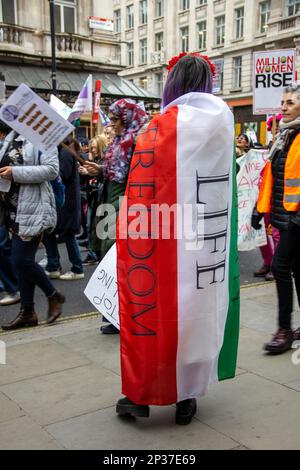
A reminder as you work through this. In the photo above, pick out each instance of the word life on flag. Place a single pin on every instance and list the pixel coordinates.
(102, 289)
(29, 115)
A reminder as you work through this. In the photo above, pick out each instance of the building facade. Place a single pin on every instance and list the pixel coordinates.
(82, 46)
(150, 32)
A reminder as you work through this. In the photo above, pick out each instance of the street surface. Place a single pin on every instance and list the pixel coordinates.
(77, 303)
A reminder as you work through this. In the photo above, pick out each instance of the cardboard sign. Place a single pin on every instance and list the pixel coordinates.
(29, 115)
(273, 71)
(248, 178)
(102, 289)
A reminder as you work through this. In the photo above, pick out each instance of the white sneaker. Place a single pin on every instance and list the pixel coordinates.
(53, 274)
(43, 263)
(70, 276)
(10, 299)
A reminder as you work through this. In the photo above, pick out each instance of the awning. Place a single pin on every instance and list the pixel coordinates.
(39, 78)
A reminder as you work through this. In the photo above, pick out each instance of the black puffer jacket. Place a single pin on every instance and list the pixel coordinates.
(280, 218)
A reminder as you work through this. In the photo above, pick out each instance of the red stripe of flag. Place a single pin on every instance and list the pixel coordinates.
(147, 273)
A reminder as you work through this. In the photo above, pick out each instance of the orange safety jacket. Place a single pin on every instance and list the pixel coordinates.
(291, 196)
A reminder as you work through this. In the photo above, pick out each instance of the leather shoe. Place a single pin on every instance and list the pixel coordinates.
(296, 334)
(55, 306)
(262, 272)
(109, 330)
(126, 407)
(23, 320)
(281, 341)
(185, 410)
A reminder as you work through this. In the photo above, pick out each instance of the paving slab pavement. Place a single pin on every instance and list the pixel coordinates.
(59, 388)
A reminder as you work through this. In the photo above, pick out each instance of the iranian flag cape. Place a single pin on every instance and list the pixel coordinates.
(179, 307)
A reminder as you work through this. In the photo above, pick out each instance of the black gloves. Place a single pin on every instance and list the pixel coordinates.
(255, 219)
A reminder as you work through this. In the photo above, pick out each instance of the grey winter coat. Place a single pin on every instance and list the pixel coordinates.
(36, 211)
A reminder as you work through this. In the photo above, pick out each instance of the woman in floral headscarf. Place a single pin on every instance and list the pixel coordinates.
(127, 120)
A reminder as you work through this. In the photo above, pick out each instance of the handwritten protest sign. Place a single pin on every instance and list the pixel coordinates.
(29, 115)
(251, 166)
(102, 290)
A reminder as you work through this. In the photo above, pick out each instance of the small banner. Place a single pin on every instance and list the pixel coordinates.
(29, 115)
(102, 289)
(248, 178)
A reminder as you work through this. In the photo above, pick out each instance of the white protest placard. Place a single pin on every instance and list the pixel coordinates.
(273, 71)
(248, 178)
(29, 115)
(102, 289)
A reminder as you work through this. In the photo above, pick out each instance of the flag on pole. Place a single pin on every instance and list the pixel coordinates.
(97, 101)
(60, 107)
(104, 118)
(179, 307)
(84, 102)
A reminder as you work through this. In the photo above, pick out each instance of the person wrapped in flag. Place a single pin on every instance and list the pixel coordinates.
(179, 293)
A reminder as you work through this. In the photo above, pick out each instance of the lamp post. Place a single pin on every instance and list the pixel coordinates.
(53, 46)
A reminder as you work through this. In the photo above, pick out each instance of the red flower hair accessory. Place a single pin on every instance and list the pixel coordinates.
(175, 59)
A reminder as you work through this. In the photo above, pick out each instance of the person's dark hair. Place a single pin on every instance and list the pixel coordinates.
(191, 73)
(4, 128)
(249, 140)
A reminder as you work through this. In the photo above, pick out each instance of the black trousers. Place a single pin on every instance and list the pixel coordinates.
(286, 261)
(29, 273)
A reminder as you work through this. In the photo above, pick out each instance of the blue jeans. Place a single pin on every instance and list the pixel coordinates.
(53, 255)
(29, 273)
(7, 274)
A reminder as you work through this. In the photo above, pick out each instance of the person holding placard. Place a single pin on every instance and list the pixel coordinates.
(279, 195)
(30, 211)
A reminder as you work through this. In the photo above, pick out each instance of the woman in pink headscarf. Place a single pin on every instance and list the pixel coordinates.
(126, 120)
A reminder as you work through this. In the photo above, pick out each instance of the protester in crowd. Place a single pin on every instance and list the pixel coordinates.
(29, 211)
(278, 118)
(243, 144)
(280, 196)
(9, 282)
(84, 153)
(69, 218)
(94, 191)
(172, 323)
(127, 119)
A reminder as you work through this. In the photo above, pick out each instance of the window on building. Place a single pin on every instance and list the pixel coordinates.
(201, 2)
(143, 51)
(293, 7)
(8, 11)
(130, 54)
(129, 17)
(264, 15)
(159, 8)
(184, 4)
(65, 14)
(159, 41)
(239, 14)
(159, 83)
(144, 82)
(117, 18)
(220, 30)
(143, 11)
(237, 72)
(201, 35)
(184, 39)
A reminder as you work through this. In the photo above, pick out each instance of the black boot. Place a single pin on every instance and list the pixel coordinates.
(185, 410)
(109, 329)
(125, 407)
